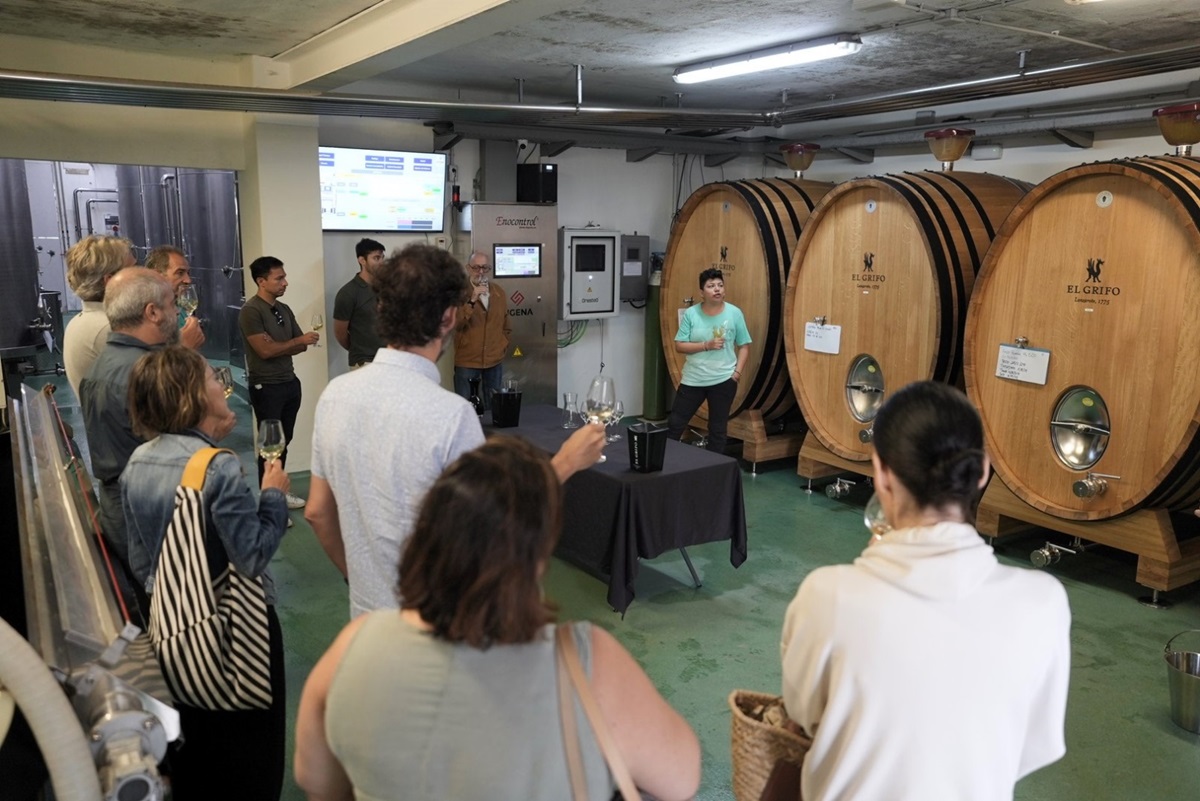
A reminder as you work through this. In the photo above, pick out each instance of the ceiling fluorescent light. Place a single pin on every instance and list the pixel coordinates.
(772, 58)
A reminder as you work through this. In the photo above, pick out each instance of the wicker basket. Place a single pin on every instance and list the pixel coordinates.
(757, 746)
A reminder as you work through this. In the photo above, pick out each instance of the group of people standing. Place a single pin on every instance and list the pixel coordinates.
(915, 669)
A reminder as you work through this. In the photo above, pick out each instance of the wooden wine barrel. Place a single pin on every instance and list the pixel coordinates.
(1098, 271)
(748, 230)
(888, 263)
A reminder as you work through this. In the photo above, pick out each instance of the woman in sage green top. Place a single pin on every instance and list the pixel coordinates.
(454, 696)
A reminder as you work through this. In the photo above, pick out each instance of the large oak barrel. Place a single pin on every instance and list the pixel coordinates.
(1096, 272)
(887, 265)
(748, 229)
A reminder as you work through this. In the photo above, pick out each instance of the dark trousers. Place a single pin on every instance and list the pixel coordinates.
(491, 381)
(688, 400)
(276, 402)
(234, 756)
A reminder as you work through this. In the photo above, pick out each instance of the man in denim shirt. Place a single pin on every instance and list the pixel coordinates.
(140, 306)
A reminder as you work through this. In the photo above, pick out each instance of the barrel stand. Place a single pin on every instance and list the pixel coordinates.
(1163, 562)
(817, 461)
(757, 444)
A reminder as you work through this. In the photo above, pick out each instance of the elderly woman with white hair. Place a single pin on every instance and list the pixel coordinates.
(91, 262)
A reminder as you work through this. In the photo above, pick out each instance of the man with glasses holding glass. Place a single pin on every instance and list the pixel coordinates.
(272, 337)
(169, 261)
(481, 338)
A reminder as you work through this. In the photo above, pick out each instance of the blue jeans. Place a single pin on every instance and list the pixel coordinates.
(491, 381)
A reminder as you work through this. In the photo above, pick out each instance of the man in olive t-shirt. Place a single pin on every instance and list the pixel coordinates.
(355, 304)
(272, 337)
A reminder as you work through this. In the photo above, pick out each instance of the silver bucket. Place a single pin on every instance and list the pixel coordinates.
(1183, 677)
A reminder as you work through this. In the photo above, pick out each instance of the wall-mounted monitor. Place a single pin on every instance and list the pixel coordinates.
(382, 190)
(517, 261)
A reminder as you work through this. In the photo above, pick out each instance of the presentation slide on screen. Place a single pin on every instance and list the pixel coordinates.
(518, 261)
(381, 190)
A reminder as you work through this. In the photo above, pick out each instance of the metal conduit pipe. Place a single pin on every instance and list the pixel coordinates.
(53, 722)
(40, 86)
(75, 201)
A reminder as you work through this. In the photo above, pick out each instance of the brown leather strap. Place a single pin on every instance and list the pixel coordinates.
(570, 734)
(569, 654)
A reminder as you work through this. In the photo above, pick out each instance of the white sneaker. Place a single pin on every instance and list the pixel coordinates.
(295, 501)
(290, 522)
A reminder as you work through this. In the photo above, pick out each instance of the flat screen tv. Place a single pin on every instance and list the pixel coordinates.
(517, 261)
(382, 190)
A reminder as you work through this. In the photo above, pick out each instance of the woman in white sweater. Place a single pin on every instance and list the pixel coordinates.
(926, 669)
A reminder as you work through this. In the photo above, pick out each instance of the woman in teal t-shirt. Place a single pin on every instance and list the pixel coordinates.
(713, 335)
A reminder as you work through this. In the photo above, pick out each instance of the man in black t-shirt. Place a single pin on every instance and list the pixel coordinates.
(355, 305)
(272, 337)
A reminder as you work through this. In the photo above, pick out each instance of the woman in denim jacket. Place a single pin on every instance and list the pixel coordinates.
(176, 401)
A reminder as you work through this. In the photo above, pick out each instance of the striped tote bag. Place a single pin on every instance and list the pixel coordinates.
(210, 635)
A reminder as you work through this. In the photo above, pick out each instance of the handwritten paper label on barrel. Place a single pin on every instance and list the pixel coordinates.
(822, 338)
(1023, 364)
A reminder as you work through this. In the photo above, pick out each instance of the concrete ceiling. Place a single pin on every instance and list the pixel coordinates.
(474, 51)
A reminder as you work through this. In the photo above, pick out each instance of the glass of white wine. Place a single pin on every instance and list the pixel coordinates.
(225, 376)
(875, 518)
(318, 322)
(271, 441)
(598, 405)
(187, 299)
(617, 413)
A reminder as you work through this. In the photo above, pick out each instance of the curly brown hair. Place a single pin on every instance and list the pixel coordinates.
(416, 285)
(472, 567)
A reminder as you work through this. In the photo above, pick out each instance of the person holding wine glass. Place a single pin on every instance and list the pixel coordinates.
(272, 336)
(714, 338)
(179, 405)
(886, 658)
(482, 334)
(170, 262)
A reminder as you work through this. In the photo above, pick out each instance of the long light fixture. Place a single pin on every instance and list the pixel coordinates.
(788, 55)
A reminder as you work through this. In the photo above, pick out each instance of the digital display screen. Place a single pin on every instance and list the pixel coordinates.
(590, 258)
(517, 261)
(381, 190)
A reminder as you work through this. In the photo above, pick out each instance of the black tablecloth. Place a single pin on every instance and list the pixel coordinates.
(614, 516)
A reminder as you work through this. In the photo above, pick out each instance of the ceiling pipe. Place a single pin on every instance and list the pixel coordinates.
(33, 86)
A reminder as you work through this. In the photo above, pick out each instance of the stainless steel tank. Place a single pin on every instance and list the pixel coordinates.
(18, 258)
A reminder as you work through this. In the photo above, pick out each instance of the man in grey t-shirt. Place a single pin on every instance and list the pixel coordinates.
(354, 307)
(272, 337)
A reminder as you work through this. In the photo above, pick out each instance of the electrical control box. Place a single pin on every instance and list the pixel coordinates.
(590, 271)
(635, 267)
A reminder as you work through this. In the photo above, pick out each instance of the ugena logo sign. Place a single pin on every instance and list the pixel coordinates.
(517, 222)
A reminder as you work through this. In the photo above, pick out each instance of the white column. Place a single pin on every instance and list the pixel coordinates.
(280, 208)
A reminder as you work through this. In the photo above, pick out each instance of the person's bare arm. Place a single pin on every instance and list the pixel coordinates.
(581, 450)
(341, 332)
(317, 770)
(658, 745)
(743, 353)
(697, 347)
(321, 512)
(267, 348)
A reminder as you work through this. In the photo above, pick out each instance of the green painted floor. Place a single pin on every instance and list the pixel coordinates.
(698, 644)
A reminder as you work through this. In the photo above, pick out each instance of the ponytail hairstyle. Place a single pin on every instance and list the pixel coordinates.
(931, 438)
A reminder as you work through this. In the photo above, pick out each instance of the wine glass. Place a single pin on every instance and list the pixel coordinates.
(618, 411)
(875, 518)
(225, 376)
(187, 299)
(318, 322)
(598, 405)
(271, 441)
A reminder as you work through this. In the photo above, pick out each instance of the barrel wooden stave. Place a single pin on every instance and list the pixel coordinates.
(928, 233)
(1137, 349)
(756, 223)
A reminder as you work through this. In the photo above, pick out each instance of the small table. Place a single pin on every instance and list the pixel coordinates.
(613, 515)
